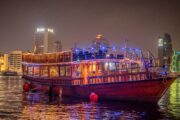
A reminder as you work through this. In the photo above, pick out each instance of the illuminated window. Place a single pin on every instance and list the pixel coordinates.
(25, 70)
(106, 66)
(109, 66)
(54, 72)
(93, 67)
(36, 71)
(112, 66)
(44, 71)
(77, 71)
(160, 42)
(30, 70)
(62, 71)
(68, 70)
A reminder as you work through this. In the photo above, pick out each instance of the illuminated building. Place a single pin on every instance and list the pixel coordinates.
(3, 62)
(44, 41)
(175, 65)
(15, 61)
(58, 46)
(165, 50)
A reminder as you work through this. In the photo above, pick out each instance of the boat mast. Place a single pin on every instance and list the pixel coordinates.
(125, 45)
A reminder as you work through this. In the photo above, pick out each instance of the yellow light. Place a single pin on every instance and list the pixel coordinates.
(50, 30)
(99, 36)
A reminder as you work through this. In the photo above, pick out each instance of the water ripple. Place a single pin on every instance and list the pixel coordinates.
(16, 105)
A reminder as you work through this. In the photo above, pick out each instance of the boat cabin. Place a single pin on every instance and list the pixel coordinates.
(83, 67)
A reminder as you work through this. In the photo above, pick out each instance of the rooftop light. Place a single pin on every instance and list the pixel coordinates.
(99, 36)
(40, 29)
(50, 30)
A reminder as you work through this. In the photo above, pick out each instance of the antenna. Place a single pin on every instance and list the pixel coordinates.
(75, 45)
(125, 45)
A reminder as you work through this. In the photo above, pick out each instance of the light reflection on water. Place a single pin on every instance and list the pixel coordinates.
(36, 106)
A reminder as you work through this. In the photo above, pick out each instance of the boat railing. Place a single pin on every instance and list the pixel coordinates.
(50, 80)
(122, 75)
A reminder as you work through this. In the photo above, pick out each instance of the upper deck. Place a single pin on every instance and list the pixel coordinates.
(58, 57)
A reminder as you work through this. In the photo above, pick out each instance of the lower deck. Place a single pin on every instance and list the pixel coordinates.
(140, 90)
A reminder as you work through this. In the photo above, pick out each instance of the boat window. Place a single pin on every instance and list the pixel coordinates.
(30, 70)
(62, 71)
(25, 70)
(93, 67)
(123, 67)
(106, 66)
(52, 57)
(112, 66)
(118, 66)
(77, 71)
(36, 71)
(109, 66)
(54, 72)
(44, 71)
(60, 58)
(67, 58)
(134, 67)
(68, 70)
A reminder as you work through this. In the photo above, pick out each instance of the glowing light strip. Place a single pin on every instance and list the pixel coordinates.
(84, 61)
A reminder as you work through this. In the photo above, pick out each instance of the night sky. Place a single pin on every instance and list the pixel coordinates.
(141, 22)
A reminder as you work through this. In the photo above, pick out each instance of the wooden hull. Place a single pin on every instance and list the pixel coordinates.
(142, 90)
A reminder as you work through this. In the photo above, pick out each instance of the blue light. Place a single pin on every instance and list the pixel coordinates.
(178, 52)
(137, 50)
(122, 48)
(103, 48)
(92, 49)
(76, 50)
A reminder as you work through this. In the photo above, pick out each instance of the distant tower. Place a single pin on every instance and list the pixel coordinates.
(165, 50)
(44, 41)
(58, 46)
(100, 42)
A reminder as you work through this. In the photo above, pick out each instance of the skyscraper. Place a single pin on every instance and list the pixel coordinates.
(175, 65)
(44, 41)
(165, 50)
(15, 61)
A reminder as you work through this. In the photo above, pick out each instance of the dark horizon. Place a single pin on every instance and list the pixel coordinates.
(139, 21)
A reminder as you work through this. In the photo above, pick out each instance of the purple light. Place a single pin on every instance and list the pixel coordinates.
(83, 49)
(114, 48)
(137, 50)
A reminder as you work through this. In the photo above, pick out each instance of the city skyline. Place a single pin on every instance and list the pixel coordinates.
(140, 22)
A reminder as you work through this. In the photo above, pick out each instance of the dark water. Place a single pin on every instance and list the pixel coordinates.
(36, 106)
